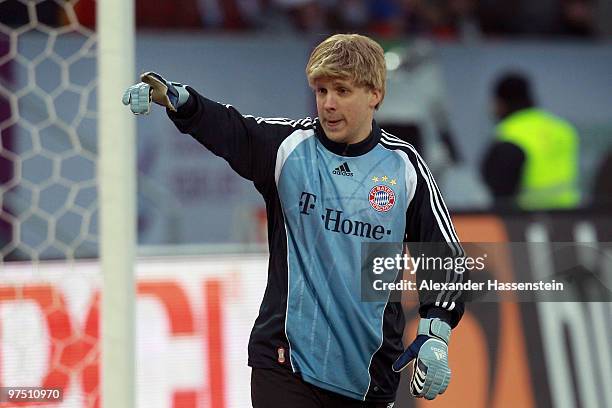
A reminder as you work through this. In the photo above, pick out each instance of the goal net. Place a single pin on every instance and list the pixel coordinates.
(50, 277)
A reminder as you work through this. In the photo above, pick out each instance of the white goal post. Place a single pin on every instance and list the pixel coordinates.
(68, 200)
(117, 195)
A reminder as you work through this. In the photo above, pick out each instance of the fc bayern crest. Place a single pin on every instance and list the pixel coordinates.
(382, 198)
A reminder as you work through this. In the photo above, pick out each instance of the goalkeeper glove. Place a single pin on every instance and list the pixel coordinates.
(430, 373)
(154, 88)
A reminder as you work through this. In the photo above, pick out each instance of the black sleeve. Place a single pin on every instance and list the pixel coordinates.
(502, 168)
(247, 143)
(430, 233)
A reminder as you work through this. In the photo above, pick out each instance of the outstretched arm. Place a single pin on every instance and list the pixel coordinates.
(247, 143)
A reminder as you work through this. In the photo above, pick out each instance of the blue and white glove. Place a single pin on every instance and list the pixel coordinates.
(430, 373)
(154, 88)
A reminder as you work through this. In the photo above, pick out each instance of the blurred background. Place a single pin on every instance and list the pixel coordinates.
(471, 83)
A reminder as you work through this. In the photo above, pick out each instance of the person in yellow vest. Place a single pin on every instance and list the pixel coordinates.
(533, 164)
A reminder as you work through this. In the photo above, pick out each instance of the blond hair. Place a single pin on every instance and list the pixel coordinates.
(349, 56)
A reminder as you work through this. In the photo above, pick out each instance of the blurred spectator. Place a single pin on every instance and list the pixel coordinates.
(502, 18)
(431, 17)
(603, 18)
(182, 14)
(457, 20)
(533, 162)
(540, 18)
(498, 18)
(466, 22)
(385, 18)
(442, 19)
(179, 14)
(439, 19)
(306, 15)
(350, 15)
(578, 18)
(232, 14)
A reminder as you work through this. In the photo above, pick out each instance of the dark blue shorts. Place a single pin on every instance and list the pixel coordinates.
(281, 388)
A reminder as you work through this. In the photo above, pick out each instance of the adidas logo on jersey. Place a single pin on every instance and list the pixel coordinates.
(343, 170)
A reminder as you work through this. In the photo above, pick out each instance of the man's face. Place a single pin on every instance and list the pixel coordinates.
(345, 110)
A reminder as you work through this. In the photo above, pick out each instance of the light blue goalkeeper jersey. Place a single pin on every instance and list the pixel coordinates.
(323, 201)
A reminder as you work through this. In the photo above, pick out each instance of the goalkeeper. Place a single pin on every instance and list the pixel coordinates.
(330, 184)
